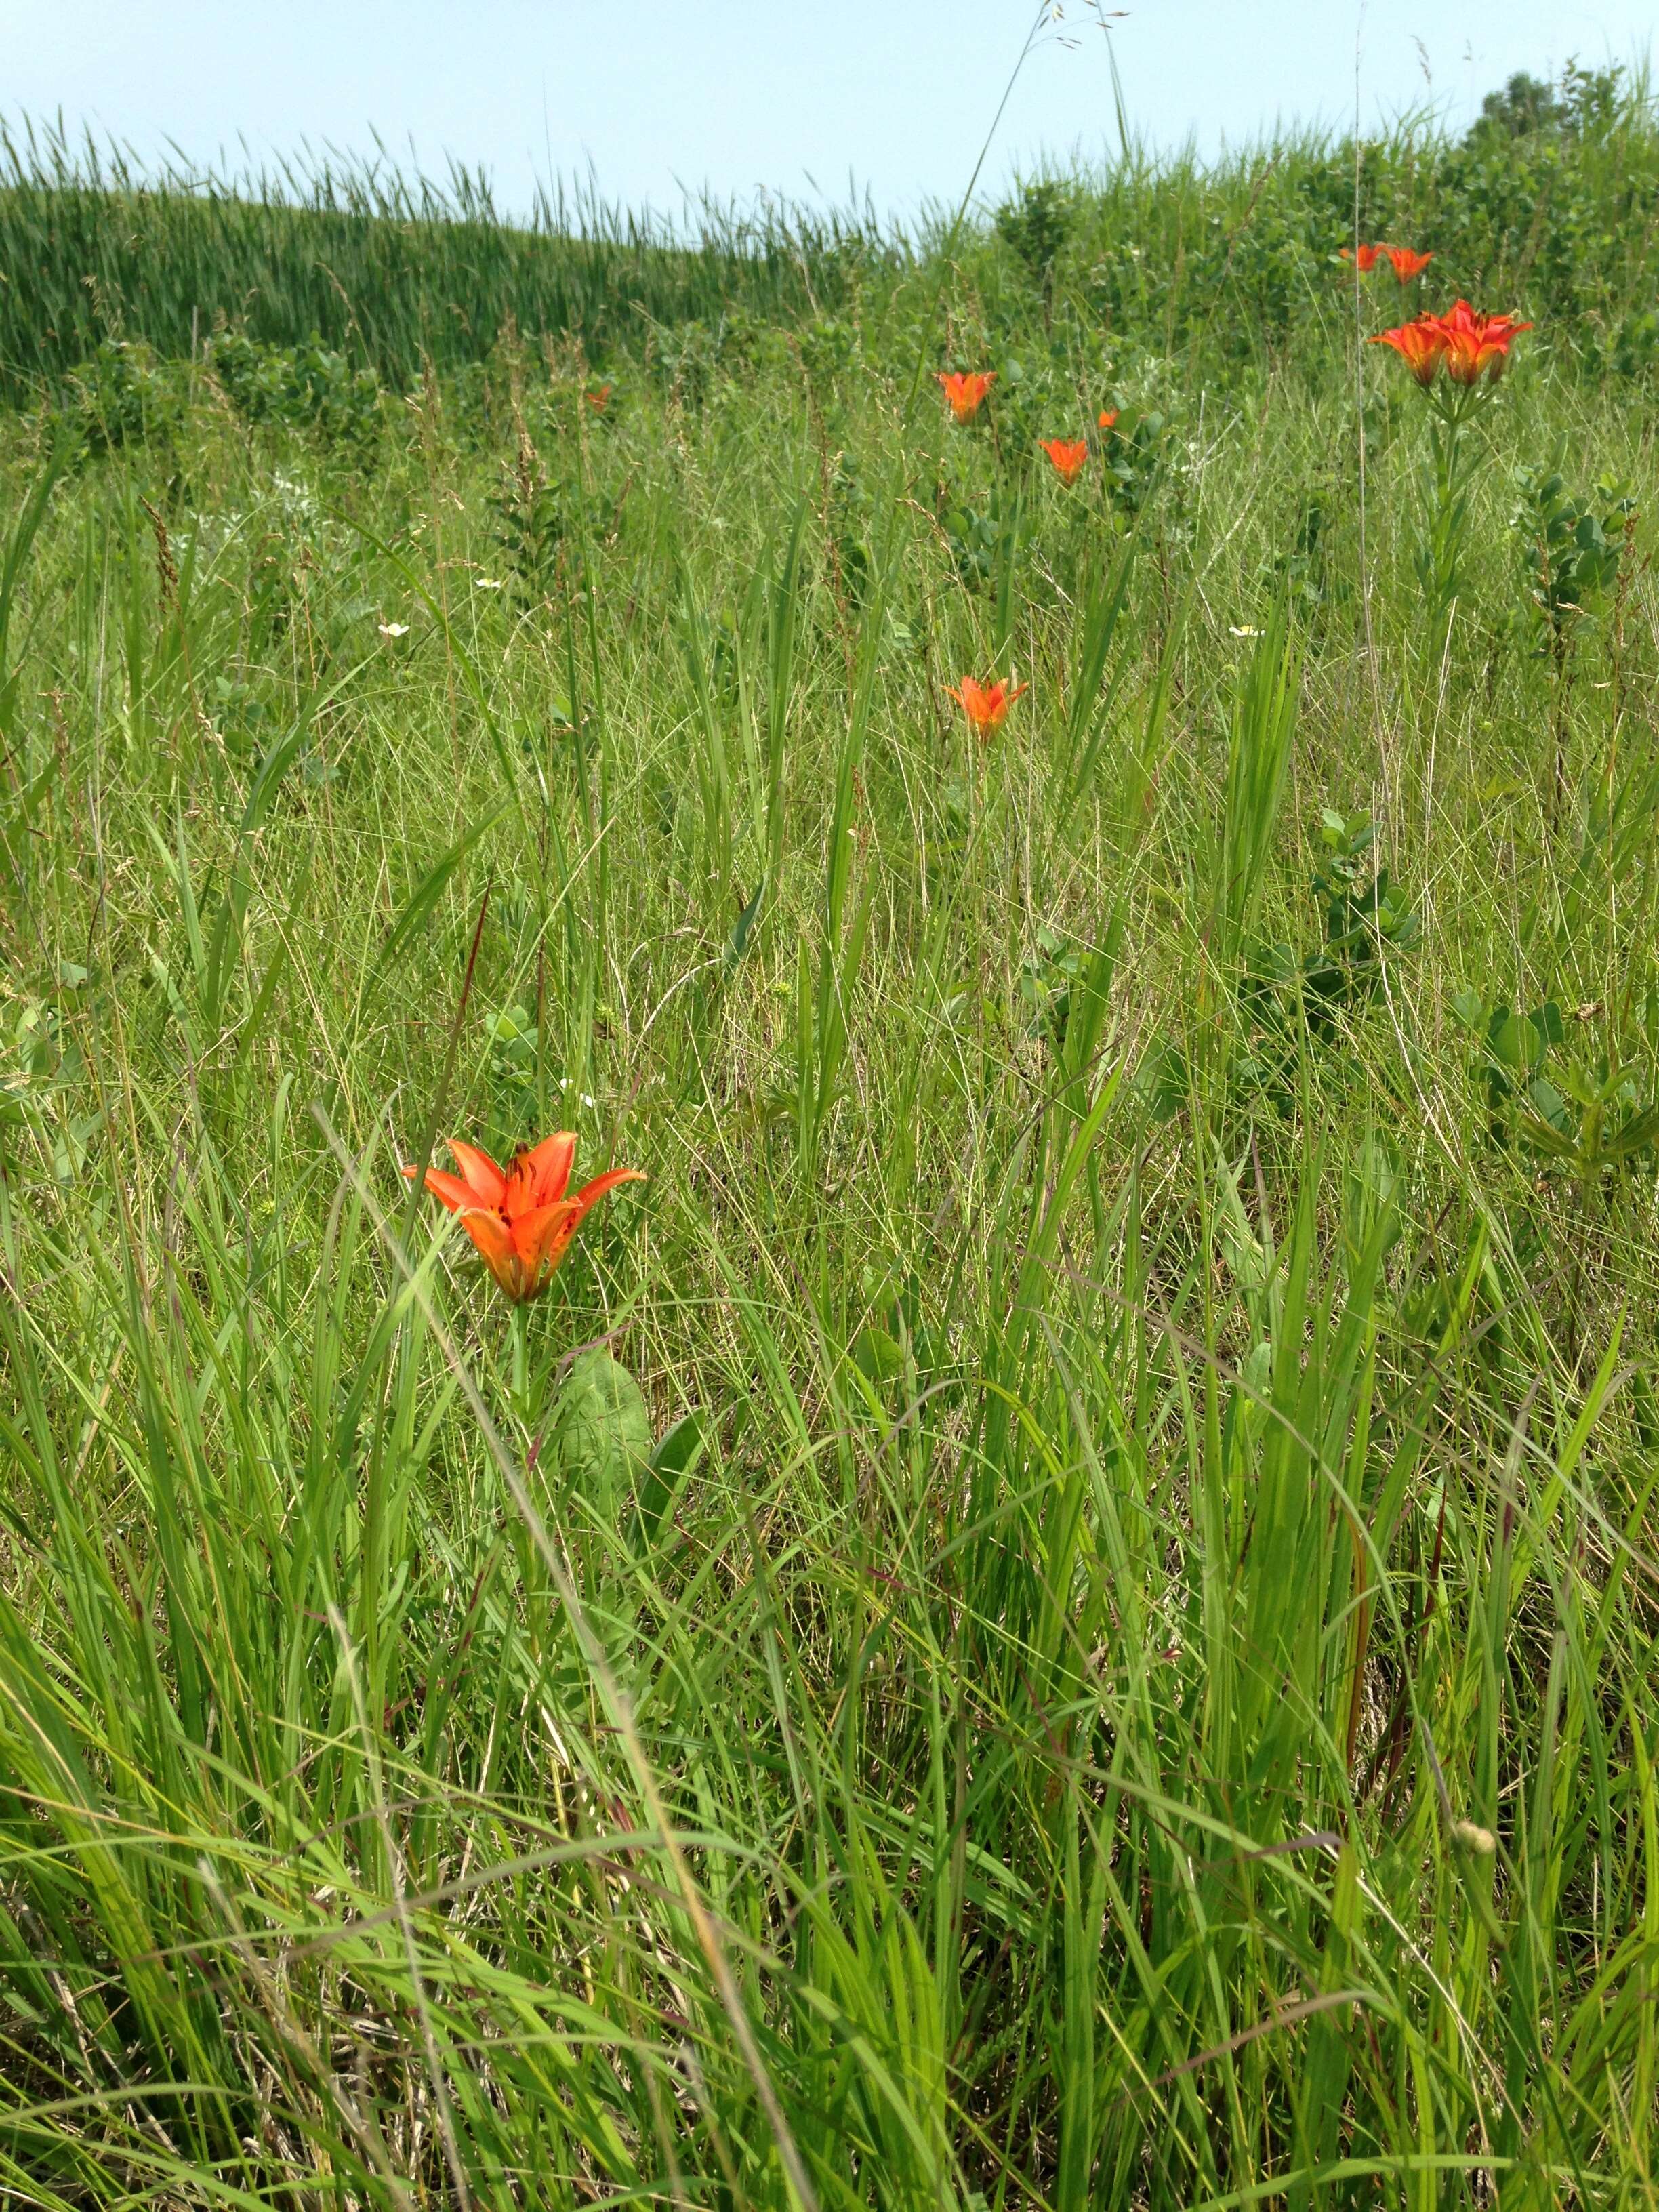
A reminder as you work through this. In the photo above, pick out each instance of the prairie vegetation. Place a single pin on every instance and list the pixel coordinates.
(1060, 1608)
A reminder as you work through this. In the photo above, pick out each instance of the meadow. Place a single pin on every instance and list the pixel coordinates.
(1060, 1608)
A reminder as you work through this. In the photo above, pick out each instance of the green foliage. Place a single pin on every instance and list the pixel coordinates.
(40, 1062)
(1441, 555)
(392, 271)
(301, 386)
(1035, 225)
(1586, 104)
(981, 540)
(1546, 209)
(601, 1433)
(1133, 448)
(829, 349)
(1365, 913)
(531, 525)
(1366, 920)
(514, 1060)
(1635, 349)
(1568, 551)
(1058, 1609)
(1302, 574)
(1585, 1119)
(849, 536)
(1258, 767)
(122, 395)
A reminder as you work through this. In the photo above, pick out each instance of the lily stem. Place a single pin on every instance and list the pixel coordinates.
(519, 1342)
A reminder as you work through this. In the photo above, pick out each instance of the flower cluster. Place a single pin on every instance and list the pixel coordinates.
(1402, 259)
(1471, 348)
(965, 394)
(1069, 456)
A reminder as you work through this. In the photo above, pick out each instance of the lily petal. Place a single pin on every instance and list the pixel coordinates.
(544, 1237)
(541, 1176)
(521, 1220)
(493, 1241)
(454, 1193)
(541, 1240)
(600, 1184)
(479, 1172)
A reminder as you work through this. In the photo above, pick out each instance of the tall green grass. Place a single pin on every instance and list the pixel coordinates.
(1111, 1659)
(393, 268)
(1227, 265)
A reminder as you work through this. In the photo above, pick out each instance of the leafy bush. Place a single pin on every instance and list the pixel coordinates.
(1585, 105)
(1568, 551)
(121, 395)
(301, 387)
(1366, 920)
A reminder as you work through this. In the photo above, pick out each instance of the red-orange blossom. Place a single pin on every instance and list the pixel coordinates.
(966, 393)
(1470, 347)
(986, 705)
(1069, 456)
(520, 1217)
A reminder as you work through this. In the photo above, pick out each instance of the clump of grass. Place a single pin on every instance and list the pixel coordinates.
(1062, 1609)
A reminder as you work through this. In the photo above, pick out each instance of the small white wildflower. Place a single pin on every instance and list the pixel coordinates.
(394, 629)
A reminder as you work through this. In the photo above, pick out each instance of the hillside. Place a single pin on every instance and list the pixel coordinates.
(1061, 1606)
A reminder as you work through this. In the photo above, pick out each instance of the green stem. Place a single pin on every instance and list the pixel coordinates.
(519, 1328)
(1441, 555)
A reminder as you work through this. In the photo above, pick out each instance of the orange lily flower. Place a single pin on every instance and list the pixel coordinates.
(1406, 263)
(965, 393)
(1420, 344)
(1068, 456)
(1476, 345)
(986, 705)
(1367, 257)
(1468, 345)
(597, 398)
(1108, 417)
(520, 1216)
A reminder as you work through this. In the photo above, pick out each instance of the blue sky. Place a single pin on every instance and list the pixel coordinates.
(737, 94)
